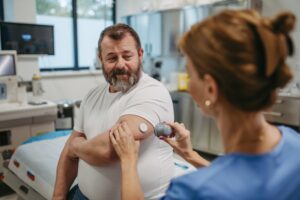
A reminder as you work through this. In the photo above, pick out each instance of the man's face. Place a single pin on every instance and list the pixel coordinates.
(121, 62)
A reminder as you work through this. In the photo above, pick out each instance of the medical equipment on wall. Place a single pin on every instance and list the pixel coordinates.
(8, 76)
(3, 91)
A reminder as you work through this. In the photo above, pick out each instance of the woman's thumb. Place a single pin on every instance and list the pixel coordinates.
(170, 141)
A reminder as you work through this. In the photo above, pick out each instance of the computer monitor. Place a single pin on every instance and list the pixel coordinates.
(8, 64)
(34, 39)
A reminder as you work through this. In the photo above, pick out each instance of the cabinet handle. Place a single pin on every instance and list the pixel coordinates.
(274, 114)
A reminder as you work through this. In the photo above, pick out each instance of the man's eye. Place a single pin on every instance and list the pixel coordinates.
(111, 59)
(127, 57)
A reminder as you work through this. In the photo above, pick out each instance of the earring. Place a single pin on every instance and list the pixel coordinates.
(207, 103)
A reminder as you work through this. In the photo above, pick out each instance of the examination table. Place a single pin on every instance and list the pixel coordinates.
(31, 170)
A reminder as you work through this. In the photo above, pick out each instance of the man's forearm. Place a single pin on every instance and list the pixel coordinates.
(96, 151)
(66, 171)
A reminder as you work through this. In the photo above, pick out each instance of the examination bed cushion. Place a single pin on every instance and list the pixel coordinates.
(35, 161)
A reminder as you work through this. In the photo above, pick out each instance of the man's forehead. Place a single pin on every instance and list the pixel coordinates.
(119, 45)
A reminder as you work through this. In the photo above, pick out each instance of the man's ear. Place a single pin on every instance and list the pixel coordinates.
(100, 57)
(140, 54)
(211, 88)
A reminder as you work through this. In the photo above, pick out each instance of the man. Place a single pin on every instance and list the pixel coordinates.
(129, 96)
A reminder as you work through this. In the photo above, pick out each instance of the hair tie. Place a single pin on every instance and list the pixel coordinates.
(275, 49)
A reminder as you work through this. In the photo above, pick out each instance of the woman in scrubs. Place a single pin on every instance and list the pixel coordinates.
(236, 62)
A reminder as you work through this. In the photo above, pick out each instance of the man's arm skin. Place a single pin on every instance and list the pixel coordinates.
(98, 151)
(66, 170)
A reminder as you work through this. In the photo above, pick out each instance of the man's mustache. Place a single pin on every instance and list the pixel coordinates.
(116, 72)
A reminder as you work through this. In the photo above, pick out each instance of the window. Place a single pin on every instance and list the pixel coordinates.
(1, 10)
(92, 18)
(77, 26)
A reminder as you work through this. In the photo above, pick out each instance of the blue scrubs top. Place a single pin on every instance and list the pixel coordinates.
(273, 175)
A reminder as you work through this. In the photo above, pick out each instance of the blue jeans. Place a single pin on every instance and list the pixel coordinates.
(76, 194)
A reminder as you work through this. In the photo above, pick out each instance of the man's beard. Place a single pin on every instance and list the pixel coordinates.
(120, 84)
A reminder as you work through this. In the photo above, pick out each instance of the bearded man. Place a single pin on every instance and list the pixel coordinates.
(129, 96)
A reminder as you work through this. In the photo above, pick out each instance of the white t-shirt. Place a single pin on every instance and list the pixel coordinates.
(99, 111)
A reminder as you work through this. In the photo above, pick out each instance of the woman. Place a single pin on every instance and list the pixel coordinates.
(235, 63)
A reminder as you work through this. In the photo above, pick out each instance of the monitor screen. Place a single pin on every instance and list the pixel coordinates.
(7, 64)
(27, 38)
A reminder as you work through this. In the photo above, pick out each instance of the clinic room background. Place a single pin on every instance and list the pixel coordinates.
(42, 84)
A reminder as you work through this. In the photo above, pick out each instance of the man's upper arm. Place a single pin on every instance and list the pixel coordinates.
(150, 105)
(135, 122)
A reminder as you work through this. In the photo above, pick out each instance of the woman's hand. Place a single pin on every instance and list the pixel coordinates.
(182, 145)
(127, 149)
(124, 143)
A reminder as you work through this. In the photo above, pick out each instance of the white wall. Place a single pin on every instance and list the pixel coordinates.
(57, 87)
(129, 7)
(70, 86)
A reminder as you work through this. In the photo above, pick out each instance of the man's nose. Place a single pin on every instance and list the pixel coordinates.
(121, 63)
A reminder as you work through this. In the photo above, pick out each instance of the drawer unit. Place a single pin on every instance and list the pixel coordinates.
(13, 137)
(285, 111)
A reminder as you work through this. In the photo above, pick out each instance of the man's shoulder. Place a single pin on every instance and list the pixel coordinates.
(149, 83)
(95, 91)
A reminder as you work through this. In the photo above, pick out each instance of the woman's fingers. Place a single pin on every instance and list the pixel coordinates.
(113, 141)
(170, 141)
(180, 132)
(117, 134)
(125, 128)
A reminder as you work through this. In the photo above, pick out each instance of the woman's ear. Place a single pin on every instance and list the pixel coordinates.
(211, 89)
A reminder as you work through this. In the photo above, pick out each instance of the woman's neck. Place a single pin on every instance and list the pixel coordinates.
(247, 132)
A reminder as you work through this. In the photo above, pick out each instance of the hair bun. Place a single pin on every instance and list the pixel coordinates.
(284, 22)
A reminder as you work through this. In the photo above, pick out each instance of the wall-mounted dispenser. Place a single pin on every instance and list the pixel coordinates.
(3, 91)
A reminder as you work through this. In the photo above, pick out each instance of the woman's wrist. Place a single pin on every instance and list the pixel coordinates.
(195, 159)
(189, 155)
(128, 163)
